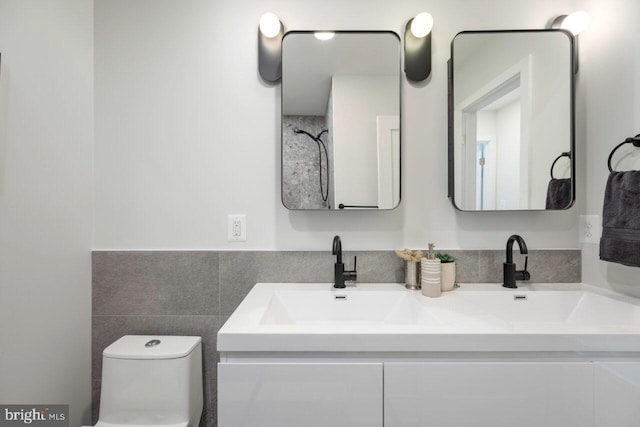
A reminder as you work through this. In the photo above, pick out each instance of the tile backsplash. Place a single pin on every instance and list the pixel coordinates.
(194, 292)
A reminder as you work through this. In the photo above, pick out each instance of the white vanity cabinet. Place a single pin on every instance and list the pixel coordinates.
(300, 394)
(307, 355)
(617, 394)
(504, 394)
(497, 393)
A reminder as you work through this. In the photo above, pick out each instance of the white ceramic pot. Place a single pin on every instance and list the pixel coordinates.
(447, 276)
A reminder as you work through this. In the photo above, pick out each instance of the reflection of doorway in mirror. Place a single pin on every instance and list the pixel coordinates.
(499, 122)
(360, 105)
(499, 112)
(493, 139)
(388, 161)
(485, 174)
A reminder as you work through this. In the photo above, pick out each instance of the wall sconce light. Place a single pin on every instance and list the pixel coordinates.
(575, 22)
(270, 34)
(417, 47)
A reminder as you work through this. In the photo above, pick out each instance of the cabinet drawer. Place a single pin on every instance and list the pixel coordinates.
(488, 394)
(617, 394)
(300, 394)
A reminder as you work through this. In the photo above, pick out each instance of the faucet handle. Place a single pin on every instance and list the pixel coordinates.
(524, 274)
(352, 275)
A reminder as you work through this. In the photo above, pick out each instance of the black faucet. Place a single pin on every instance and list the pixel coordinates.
(340, 274)
(510, 273)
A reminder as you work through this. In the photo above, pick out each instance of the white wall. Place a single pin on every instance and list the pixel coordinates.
(610, 92)
(46, 140)
(186, 133)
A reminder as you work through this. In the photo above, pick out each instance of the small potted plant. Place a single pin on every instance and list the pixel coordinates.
(448, 271)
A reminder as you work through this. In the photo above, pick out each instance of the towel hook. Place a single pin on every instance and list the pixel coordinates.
(564, 154)
(635, 141)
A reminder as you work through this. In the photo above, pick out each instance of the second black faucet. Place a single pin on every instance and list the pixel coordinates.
(509, 267)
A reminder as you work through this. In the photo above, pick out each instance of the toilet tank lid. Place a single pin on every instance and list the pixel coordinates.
(151, 347)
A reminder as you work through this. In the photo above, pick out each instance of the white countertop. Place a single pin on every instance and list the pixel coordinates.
(295, 317)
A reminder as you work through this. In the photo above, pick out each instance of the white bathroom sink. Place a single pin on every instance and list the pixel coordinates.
(535, 309)
(476, 317)
(339, 306)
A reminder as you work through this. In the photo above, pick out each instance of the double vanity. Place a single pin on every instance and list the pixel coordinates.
(552, 355)
(378, 354)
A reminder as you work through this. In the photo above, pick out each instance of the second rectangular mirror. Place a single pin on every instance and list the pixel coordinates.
(340, 120)
(512, 120)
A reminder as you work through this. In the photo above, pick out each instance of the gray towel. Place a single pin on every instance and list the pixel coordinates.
(620, 240)
(559, 194)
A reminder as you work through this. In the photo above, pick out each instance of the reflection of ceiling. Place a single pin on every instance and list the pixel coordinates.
(466, 45)
(309, 63)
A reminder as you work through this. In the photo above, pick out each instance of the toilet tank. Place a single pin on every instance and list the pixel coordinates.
(152, 380)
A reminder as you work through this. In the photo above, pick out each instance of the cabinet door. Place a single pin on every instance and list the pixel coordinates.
(299, 394)
(617, 394)
(488, 394)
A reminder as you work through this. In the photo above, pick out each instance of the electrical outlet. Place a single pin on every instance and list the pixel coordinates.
(590, 229)
(237, 228)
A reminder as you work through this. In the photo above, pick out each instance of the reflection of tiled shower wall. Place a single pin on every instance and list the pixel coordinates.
(194, 292)
(300, 163)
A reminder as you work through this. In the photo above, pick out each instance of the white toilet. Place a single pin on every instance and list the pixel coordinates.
(151, 381)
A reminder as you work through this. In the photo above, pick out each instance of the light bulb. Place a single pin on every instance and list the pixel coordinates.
(421, 24)
(324, 35)
(576, 22)
(270, 25)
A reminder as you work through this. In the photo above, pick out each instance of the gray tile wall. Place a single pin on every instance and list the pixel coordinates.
(194, 292)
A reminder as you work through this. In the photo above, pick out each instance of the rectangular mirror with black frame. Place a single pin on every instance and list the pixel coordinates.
(511, 120)
(341, 120)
